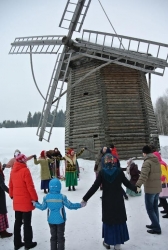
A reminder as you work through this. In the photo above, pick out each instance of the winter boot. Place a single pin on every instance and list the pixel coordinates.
(126, 197)
(45, 191)
(106, 245)
(117, 247)
(163, 212)
(5, 234)
(32, 245)
(69, 189)
(165, 216)
(73, 188)
(19, 246)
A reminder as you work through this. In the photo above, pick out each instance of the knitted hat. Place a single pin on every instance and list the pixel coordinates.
(43, 154)
(147, 149)
(129, 161)
(21, 158)
(17, 151)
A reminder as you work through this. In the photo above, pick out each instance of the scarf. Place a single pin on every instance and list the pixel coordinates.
(109, 173)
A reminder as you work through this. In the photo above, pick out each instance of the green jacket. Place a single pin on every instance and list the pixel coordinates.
(150, 175)
(45, 171)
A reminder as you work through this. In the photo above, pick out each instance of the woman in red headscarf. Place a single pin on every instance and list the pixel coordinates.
(70, 167)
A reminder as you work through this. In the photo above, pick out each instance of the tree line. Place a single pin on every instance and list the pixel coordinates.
(33, 120)
(161, 113)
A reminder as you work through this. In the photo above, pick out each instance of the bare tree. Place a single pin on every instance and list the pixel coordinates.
(161, 113)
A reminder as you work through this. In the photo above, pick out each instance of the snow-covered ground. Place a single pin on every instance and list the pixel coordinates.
(83, 226)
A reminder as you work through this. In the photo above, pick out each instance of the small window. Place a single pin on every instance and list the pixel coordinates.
(95, 136)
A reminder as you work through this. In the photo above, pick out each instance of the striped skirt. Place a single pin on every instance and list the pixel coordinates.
(3, 222)
(115, 234)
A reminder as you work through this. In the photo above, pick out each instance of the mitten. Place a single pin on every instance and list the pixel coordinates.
(83, 203)
(95, 167)
(34, 203)
(34, 156)
(3, 166)
(138, 189)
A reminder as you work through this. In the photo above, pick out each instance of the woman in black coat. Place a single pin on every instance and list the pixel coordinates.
(3, 210)
(114, 217)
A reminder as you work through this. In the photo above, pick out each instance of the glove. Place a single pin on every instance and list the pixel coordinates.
(3, 166)
(34, 203)
(95, 167)
(85, 147)
(34, 156)
(138, 190)
(83, 203)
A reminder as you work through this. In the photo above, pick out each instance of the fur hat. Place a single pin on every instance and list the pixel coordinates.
(147, 149)
(43, 154)
(21, 158)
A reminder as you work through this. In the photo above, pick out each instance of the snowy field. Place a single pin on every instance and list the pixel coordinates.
(83, 226)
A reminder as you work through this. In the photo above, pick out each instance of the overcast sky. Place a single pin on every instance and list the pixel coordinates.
(145, 19)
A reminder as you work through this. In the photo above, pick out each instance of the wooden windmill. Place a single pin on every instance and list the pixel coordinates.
(108, 98)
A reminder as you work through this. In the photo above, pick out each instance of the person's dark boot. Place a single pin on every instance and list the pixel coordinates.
(45, 191)
(5, 234)
(126, 197)
(73, 188)
(32, 245)
(165, 216)
(19, 246)
(149, 226)
(106, 245)
(163, 212)
(69, 189)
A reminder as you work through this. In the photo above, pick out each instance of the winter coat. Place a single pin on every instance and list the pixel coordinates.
(98, 162)
(52, 153)
(113, 208)
(164, 176)
(134, 173)
(45, 171)
(3, 189)
(21, 188)
(150, 175)
(55, 202)
(70, 163)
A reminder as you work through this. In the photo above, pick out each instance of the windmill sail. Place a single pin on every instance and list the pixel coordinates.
(39, 45)
(61, 67)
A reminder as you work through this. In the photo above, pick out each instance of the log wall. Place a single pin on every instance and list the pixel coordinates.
(112, 105)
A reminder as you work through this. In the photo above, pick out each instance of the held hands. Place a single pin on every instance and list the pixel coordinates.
(34, 203)
(138, 189)
(34, 156)
(83, 203)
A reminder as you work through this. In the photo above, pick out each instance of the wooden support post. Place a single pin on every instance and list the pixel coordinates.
(149, 83)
